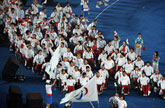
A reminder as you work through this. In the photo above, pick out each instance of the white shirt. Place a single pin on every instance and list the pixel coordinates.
(89, 74)
(156, 77)
(100, 80)
(118, 75)
(68, 55)
(29, 53)
(63, 77)
(74, 40)
(121, 61)
(39, 59)
(109, 49)
(148, 70)
(35, 9)
(131, 56)
(126, 49)
(88, 55)
(115, 44)
(121, 103)
(78, 31)
(128, 67)
(108, 64)
(70, 82)
(140, 63)
(115, 56)
(102, 57)
(78, 62)
(68, 11)
(48, 89)
(83, 67)
(78, 48)
(143, 80)
(83, 81)
(104, 73)
(124, 80)
(63, 50)
(135, 74)
(76, 75)
(161, 84)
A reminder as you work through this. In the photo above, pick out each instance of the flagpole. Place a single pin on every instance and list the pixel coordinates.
(98, 104)
(91, 104)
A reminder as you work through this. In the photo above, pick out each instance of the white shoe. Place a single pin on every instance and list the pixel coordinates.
(105, 4)
(149, 92)
(97, 6)
(107, 0)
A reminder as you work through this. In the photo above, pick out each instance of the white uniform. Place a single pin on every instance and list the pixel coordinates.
(104, 73)
(131, 56)
(62, 77)
(121, 61)
(118, 75)
(88, 55)
(161, 84)
(108, 64)
(143, 80)
(68, 11)
(115, 56)
(135, 74)
(76, 75)
(124, 80)
(70, 82)
(121, 103)
(109, 49)
(156, 77)
(83, 27)
(83, 81)
(83, 67)
(42, 15)
(79, 62)
(35, 9)
(128, 67)
(89, 74)
(148, 70)
(140, 63)
(44, 41)
(48, 89)
(78, 48)
(102, 57)
(68, 55)
(100, 80)
(29, 53)
(39, 59)
(53, 35)
(101, 43)
(63, 50)
(78, 31)
(74, 40)
(65, 65)
(125, 51)
(115, 44)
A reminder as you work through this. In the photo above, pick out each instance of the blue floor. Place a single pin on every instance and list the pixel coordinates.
(127, 17)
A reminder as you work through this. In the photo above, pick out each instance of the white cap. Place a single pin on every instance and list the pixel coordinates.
(47, 81)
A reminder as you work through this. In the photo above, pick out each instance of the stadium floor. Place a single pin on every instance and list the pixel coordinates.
(127, 17)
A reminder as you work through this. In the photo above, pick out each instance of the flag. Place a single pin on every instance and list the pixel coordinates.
(84, 94)
(45, 1)
(53, 62)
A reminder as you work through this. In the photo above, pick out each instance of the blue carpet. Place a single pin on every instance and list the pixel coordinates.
(127, 17)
